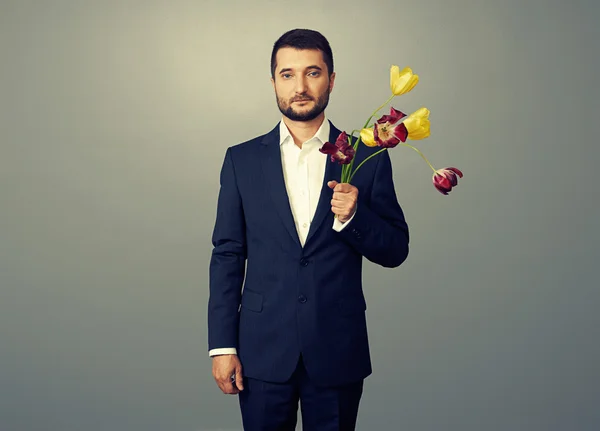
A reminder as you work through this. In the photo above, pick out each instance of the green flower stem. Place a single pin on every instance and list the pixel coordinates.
(363, 162)
(377, 110)
(421, 154)
(347, 169)
(384, 149)
(355, 146)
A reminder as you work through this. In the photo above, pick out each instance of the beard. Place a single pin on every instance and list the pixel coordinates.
(287, 109)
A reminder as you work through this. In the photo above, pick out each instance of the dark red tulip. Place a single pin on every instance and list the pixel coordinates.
(393, 117)
(342, 152)
(387, 132)
(445, 179)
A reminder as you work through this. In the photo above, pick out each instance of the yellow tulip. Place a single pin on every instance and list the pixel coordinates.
(366, 135)
(417, 124)
(402, 81)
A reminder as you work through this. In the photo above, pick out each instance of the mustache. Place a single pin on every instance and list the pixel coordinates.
(300, 98)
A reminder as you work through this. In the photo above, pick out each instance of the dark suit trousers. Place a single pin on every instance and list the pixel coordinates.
(269, 406)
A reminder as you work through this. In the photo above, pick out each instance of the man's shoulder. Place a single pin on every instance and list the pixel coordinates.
(250, 144)
(253, 143)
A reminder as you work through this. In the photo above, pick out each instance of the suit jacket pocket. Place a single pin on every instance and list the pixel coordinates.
(252, 300)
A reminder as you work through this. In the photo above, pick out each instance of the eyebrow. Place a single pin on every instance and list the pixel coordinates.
(288, 69)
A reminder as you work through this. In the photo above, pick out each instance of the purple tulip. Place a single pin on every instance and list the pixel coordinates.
(445, 179)
(342, 152)
(387, 132)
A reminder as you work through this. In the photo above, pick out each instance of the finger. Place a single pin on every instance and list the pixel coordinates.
(346, 201)
(239, 380)
(342, 215)
(339, 210)
(223, 380)
(336, 211)
(345, 196)
(342, 187)
(332, 184)
(232, 388)
(345, 188)
(227, 387)
(338, 204)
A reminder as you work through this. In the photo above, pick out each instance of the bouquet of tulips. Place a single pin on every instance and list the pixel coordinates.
(389, 131)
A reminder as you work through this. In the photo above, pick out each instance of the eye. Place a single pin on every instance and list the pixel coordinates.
(314, 73)
(286, 76)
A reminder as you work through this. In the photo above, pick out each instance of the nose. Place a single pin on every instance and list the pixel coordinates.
(300, 85)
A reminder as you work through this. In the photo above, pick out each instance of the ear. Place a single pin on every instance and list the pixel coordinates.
(273, 82)
(331, 81)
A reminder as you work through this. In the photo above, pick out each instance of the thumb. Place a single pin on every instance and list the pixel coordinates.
(239, 380)
(332, 184)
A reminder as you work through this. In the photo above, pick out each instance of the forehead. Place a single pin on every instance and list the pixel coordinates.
(298, 58)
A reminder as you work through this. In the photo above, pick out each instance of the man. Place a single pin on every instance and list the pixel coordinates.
(297, 332)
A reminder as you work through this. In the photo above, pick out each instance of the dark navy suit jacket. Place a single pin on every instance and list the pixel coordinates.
(297, 300)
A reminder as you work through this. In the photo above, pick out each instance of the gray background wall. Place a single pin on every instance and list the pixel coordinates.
(114, 121)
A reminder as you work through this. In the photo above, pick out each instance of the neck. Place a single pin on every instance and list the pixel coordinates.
(302, 131)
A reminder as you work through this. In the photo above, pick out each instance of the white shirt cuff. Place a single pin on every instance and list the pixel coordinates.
(338, 225)
(223, 351)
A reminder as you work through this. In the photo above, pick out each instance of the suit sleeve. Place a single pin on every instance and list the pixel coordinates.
(227, 263)
(379, 231)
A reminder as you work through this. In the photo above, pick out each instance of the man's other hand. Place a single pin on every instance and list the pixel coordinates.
(224, 367)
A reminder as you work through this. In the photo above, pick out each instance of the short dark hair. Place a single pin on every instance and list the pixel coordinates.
(302, 38)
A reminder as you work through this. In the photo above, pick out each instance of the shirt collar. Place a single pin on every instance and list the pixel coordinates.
(322, 134)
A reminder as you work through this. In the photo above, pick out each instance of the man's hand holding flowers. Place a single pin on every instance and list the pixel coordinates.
(343, 202)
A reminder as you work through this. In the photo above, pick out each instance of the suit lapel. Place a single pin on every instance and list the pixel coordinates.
(273, 170)
(333, 171)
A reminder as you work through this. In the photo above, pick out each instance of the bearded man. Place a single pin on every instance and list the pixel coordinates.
(286, 311)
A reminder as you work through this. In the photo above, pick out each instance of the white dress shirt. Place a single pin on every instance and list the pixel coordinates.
(303, 172)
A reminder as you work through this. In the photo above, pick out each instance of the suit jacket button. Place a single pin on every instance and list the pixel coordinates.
(302, 299)
(304, 261)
